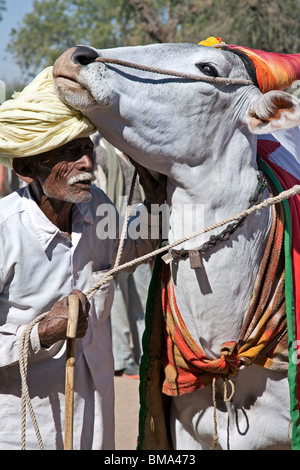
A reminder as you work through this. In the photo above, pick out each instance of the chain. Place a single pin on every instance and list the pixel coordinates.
(215, 240)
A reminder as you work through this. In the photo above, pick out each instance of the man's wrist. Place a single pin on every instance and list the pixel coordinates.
(43, 335)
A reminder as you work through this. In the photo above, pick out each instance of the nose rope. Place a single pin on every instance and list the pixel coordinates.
(187, 76)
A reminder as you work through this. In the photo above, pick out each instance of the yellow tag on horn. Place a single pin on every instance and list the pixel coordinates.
(211, 41)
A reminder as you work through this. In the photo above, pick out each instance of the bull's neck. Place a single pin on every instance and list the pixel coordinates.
(218, 188)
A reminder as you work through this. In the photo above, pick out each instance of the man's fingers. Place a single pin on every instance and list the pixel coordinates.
(83, 301)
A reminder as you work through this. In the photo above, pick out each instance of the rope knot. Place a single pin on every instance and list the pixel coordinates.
(229, 354)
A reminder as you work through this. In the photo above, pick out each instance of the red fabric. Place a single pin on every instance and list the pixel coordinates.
(187, 368)
(274, 71)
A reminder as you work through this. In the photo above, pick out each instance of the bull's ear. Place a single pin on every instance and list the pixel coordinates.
(273, 111)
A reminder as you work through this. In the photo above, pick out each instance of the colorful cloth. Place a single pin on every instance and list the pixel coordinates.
(270, 70)
(263, 335)
(36, 121)
(274, 71)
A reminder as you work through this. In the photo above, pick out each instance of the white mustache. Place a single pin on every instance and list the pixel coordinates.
(81, 177)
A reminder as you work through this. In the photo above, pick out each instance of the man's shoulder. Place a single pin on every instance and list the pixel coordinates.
(11, 204)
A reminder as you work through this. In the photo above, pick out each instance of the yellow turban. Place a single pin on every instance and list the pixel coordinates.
(36, 121)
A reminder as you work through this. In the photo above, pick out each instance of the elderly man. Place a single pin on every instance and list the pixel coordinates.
(52, 244)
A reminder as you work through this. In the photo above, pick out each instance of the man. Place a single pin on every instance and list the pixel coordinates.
(52, 244)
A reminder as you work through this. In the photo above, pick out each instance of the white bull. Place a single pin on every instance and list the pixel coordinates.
(203, 137)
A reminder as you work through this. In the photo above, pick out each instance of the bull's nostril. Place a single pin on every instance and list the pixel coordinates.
(84, 55)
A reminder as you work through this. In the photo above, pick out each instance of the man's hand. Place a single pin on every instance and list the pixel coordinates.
(54, 326)
(155, 189)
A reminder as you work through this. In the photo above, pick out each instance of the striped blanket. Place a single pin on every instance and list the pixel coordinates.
(174, 364)
(263, 338)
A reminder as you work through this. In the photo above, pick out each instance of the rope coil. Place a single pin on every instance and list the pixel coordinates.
(226, 399)
(25, 397)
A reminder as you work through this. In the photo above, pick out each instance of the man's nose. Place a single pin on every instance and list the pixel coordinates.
(86, 162)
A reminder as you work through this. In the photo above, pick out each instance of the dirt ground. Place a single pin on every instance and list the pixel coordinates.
(126, 412)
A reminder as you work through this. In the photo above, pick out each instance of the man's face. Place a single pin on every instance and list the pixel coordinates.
(66, 173)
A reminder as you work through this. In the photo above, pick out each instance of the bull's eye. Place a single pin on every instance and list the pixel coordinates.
(208, 70)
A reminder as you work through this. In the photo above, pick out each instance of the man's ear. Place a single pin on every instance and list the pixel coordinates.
(22, 167)
(273, 111)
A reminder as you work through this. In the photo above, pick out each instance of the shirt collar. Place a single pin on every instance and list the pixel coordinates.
(45, 229)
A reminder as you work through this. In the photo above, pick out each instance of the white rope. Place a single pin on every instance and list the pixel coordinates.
(263, 205)
(226, 398)
(126, 219)
(25, 397)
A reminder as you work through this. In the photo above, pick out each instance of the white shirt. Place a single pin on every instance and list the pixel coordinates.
(39, 265)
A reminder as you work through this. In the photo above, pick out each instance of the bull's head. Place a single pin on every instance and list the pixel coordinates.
(141, 112)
